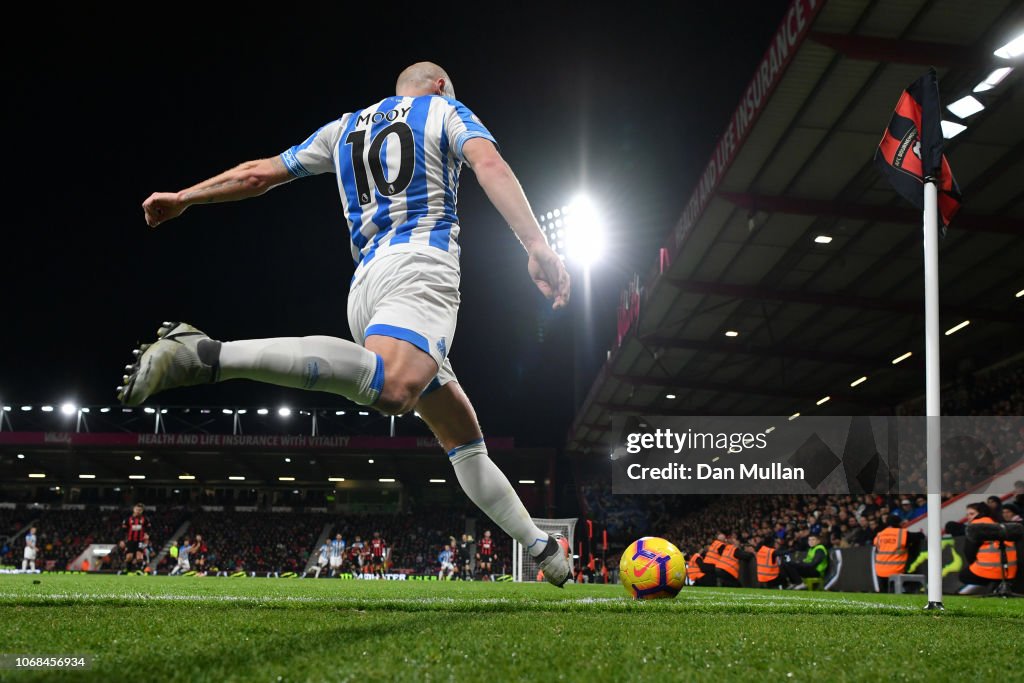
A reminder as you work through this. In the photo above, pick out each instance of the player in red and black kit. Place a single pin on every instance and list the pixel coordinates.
(136, 529)
(200, 557)
(378, 553)
(486, 555)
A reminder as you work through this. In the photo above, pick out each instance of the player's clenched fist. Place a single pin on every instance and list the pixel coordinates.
(161, 207)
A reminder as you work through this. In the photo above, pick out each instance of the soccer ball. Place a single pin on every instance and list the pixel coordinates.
(651, 568)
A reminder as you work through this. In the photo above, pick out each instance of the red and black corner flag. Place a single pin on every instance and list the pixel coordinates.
(911, 148)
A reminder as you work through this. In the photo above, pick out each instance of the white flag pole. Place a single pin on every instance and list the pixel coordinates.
(934, 407)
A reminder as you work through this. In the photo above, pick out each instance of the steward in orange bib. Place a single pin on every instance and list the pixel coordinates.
(894, 546)
(699, 572)
(984, 561)
(768, 573)
(728, 569)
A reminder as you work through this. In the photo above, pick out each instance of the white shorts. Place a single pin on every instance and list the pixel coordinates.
(322, 561)
(335, 562)
(447, 566)
(30, 553)
(183, 564)
(409, 295)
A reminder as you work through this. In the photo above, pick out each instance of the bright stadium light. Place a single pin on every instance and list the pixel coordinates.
(670, 396)
(951, 129)
(287, 459)
(437, 481)
(794, 416)
(47, 409)
(104, 410)
(993, 79)
(900, 359)
(1019, 294)
(860, 380)
(86, 476)
(21, 456)
(370, 461)
(286, 478)
(284, 412)
(149, 411)
(262, 411)
(186, 477)
(339, 412)
(236, 478)
(732, 333)
(36, 475)
(363, 413)
(584, 237)
(823, 239)
(823, 400)
(1012, 49)
(966, 106)
(137, 458)
(83, 410)
(957, 328)
(226, 411)
(26, 408)
(386, 480)
(527, 481)
(335, 478)
(69, 409)
(136, 476)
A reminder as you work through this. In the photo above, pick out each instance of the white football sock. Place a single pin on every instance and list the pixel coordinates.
(321, 363)
(490, 489)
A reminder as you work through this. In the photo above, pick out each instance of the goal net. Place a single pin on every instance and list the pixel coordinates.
(524, 567)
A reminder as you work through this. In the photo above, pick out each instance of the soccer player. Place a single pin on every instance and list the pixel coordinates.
(337, 552)
(486, 555)
(143, 552)
(136, 527)
(323, 558)
(378, 553)
(201, 550)
(28, 561)
(184, 550)
(397, 163)
(447, 564)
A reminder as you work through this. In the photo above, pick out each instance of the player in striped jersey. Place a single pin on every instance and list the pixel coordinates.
(397, 164)
(337, 553)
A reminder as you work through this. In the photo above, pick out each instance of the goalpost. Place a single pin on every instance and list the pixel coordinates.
(524, 567)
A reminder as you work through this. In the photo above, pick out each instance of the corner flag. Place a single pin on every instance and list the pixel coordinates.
(911, 148)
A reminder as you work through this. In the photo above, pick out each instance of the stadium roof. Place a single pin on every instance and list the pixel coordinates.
(806, 319)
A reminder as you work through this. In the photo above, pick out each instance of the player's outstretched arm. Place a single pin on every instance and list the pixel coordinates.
(506, 194)
(249, 179)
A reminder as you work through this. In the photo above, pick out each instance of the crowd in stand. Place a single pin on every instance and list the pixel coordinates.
(983, 448)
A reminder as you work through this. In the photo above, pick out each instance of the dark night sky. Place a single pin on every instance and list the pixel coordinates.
(627, 106)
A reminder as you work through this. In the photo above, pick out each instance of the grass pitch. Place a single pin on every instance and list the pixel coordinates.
(145, 628)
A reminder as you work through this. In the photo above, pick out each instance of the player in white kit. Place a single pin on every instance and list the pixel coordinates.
(28, 560)
(397, 164)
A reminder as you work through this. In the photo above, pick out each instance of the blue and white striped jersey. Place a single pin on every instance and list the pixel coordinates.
(397, 163)
(30, 540)
(337, 548)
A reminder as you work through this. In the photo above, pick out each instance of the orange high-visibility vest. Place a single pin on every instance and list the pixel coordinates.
(989, 562)
(728, 561)
(693, 570)
(714, 555)
(767, 567)
(891, 552)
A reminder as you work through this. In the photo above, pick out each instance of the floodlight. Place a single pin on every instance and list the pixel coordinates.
(284, 412)
(1012, 49)
(68, 409)
(966, 106)
(951, 129)
(993, 79)
(957, 328)
(585, 240)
